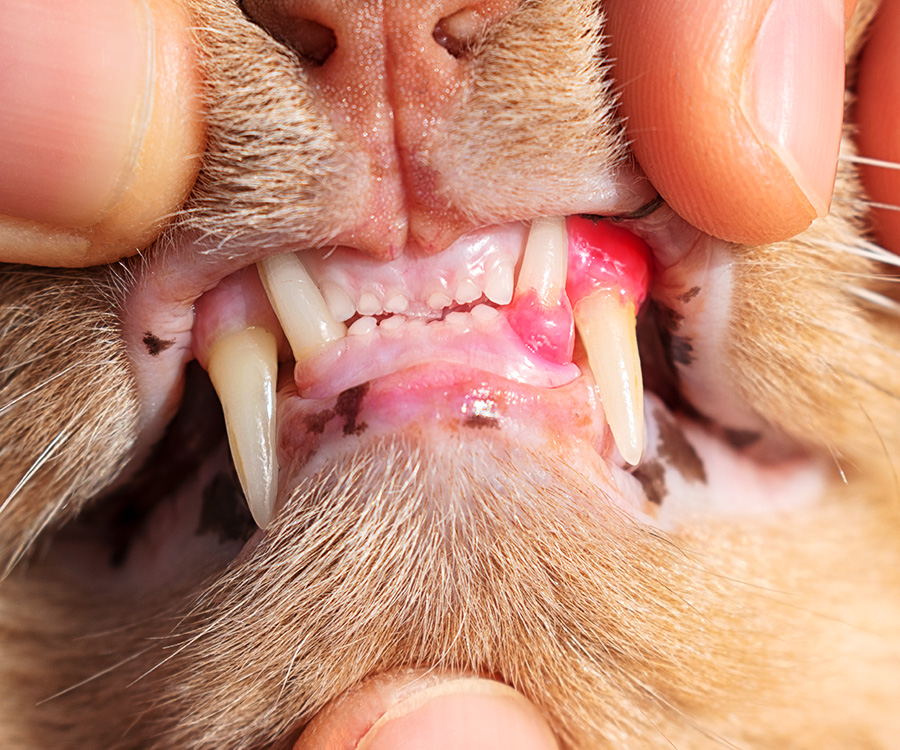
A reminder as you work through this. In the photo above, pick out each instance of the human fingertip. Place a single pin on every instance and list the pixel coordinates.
(23, 241)
(730, 120)
(431, 714)
(167, 156)
(877, 115)
(792, 92)
(100, 127)
(465, 713)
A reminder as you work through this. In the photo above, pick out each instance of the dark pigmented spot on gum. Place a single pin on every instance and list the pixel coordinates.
(155, 345)
(689, 294)
(316, 422)
(669, 319)
(676, 450)
(348, 406)
(479, 421)
(681, 350)
(652, 477)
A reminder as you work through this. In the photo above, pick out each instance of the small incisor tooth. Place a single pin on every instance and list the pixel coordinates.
(307, 322)
(368, 304)
(545, 260)
(467, 291)
(396, 303)
(498, 284)
(607, 329)
(339, 303)
(243, 367)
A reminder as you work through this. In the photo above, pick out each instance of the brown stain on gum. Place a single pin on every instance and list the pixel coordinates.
(677, 451)
(348, 406)
(155, 345)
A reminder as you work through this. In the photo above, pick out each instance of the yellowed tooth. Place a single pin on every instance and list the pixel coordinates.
(299, 305)
(607, 330)
(243, 367)
(545, 260)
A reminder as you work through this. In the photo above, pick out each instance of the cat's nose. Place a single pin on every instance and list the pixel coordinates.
(389, 74)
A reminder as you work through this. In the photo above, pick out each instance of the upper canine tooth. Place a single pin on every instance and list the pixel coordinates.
(545, 260)
(607, 328)
(243, 367)
(299, 305)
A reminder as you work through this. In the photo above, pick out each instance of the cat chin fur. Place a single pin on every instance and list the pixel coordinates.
(776, 632)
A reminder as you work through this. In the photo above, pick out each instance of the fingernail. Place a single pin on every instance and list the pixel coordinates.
(466, 713)
(74, 92)
(793, 91)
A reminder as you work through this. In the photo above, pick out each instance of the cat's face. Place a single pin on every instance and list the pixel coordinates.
(472, 477)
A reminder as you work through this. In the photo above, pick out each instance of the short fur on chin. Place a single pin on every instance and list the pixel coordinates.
(400, 555)
(779, 632)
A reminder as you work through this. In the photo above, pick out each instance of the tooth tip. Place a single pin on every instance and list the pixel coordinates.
(259, 485)
(631, 447)
(299, 304)
(263, 512)
(608, 333)
(243, 367)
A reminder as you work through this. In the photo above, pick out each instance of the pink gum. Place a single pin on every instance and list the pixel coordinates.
(239, 301)
(603, 255)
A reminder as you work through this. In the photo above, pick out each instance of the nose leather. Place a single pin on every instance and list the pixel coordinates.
(389, 82)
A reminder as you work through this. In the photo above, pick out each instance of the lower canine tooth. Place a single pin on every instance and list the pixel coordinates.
(299, 305)
(243, 367)
(607, 329)
(485, 312)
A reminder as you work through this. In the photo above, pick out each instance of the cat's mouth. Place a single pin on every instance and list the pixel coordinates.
(599, 343)
(480, 336)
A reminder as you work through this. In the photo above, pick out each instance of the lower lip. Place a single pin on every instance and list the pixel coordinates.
(439, 402)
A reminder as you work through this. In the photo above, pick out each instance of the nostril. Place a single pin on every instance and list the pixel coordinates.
(312, 40)
(463, 30)
(457, 33)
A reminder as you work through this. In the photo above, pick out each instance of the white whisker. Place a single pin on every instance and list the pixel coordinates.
(95, 676)
(43, 384)
(884, 206)
(885, 304)
(856, 159)
(870, 204)
(864, 249)
(46, 454)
